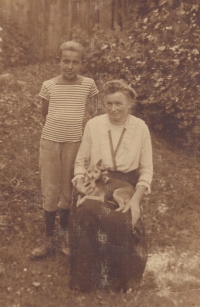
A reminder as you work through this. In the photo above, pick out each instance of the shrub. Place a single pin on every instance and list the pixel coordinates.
(15, 44)
(158, 53)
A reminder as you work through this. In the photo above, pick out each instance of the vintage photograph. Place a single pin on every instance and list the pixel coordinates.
(100, 153)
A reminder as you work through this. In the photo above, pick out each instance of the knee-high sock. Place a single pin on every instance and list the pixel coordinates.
(64, 216)
(50, 218)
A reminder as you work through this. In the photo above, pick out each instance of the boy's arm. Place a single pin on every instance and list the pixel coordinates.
(44, 111)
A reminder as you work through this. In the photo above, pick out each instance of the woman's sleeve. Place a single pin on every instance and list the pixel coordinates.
(146, 161)
(84, 152)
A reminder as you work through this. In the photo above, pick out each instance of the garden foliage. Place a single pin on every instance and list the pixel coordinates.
(157, 52)
(14, 44)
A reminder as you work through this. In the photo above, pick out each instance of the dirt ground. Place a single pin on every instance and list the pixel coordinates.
(171, 213)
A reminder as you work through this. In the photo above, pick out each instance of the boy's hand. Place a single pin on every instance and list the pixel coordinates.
(83, 188)
(44, 111)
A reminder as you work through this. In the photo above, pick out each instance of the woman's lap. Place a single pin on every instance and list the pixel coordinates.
(103, 247)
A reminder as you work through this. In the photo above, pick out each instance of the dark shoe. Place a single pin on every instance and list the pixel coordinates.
(63, 244)
(45, 249)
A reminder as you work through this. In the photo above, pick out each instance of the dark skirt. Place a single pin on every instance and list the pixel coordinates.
(105, 251)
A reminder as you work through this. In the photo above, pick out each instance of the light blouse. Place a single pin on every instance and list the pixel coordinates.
(135, 150)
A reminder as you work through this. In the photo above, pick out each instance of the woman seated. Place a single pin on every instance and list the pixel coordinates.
(108, 248)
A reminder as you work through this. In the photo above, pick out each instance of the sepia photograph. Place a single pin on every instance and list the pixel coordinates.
(100, 153)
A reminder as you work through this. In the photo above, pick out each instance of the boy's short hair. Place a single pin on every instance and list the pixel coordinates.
(114, 86)
(71, 46)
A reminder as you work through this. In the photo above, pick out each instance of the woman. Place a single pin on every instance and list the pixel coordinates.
(108, 248)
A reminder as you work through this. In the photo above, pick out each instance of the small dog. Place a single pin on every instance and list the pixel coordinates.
(92, 175)
(106, 187)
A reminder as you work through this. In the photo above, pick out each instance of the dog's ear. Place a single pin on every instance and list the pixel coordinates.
(99, 164)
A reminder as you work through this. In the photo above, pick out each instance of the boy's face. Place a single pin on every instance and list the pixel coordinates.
(70, 64)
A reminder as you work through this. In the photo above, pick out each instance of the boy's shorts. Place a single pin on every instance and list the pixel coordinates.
(56, 166)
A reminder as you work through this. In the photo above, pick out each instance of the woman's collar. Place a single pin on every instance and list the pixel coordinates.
(108, 123)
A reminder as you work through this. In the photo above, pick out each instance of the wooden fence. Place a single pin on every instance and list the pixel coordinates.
(49, 22)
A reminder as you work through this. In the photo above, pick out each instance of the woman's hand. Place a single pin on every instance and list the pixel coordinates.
(134, 206)
(82, 187)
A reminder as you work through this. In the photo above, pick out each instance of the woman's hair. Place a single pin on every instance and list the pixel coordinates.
(71, 46)
(114, 86)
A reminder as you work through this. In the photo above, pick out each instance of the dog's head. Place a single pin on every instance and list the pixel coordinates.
(93, 172)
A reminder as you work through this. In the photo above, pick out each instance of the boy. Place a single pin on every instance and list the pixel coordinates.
(63, 106)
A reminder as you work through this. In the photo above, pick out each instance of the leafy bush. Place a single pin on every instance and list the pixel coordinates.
(15, 44)
(158, 53)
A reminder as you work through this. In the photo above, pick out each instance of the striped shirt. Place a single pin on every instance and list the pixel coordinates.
(66, 109)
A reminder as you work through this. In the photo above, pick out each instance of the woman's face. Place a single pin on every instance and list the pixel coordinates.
(117, 106)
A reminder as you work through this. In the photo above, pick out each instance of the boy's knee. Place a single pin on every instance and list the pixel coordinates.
(65, 202)
(50, 206)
